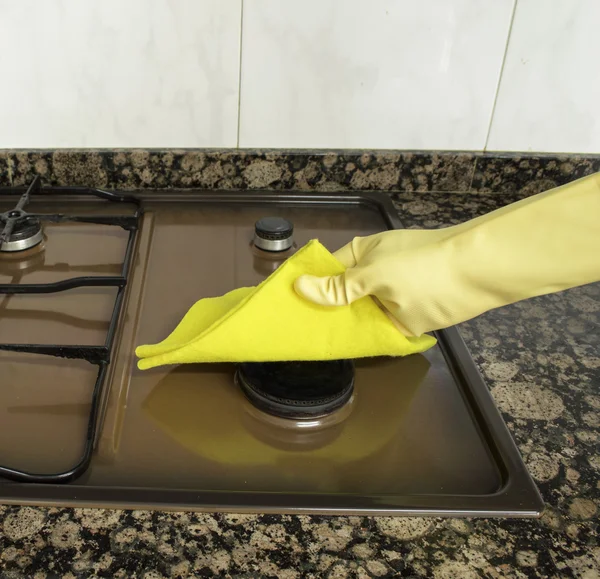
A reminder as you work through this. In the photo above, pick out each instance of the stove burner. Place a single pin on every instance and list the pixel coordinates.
(273, 234)
(300, 390)
(20, 230)
(26, 232)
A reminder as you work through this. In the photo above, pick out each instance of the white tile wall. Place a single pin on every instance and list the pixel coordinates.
(400, 74)
(406, 74)
(114, 73)
(549, 97)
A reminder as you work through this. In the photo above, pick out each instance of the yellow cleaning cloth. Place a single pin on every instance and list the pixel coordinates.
(271, 323)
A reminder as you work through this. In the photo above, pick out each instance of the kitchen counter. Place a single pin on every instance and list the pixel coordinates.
(541, 359)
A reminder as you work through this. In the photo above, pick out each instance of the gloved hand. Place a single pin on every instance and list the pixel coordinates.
(429, 280)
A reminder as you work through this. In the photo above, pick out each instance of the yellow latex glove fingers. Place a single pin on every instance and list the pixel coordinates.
(363, 251)
(429, 280)
(363, 257)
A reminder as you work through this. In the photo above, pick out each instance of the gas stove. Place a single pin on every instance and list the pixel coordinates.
(87, 275)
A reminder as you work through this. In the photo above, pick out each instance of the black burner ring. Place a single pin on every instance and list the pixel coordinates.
(300, 390)
(26, 229)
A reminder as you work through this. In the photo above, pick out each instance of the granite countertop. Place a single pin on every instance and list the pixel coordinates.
(541, 359)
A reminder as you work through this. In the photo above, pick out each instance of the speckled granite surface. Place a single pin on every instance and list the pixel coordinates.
(322, 171)
(302, 170)
(529, 174)
(541, 359)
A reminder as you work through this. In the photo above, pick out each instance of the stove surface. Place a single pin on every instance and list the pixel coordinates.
(419, 434)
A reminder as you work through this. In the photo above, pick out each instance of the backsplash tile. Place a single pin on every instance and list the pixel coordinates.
(108, 73)
(549, 93)
(387, 74)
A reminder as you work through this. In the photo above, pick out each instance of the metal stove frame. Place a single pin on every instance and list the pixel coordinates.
(517, 495)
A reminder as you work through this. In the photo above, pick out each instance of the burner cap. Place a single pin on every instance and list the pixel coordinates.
(26, 233)
(273, 234)
(297, 389)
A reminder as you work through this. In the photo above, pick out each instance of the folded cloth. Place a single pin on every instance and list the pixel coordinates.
(271, 323)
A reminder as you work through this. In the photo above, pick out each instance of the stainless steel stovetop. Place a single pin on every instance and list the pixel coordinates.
(81, 426)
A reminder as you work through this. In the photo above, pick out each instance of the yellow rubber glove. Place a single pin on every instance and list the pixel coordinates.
(429, 280)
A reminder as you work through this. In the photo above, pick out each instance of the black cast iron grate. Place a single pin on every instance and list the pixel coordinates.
(97, 355)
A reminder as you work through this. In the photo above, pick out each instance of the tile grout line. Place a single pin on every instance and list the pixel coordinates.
(510, 26)
(239, 109)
